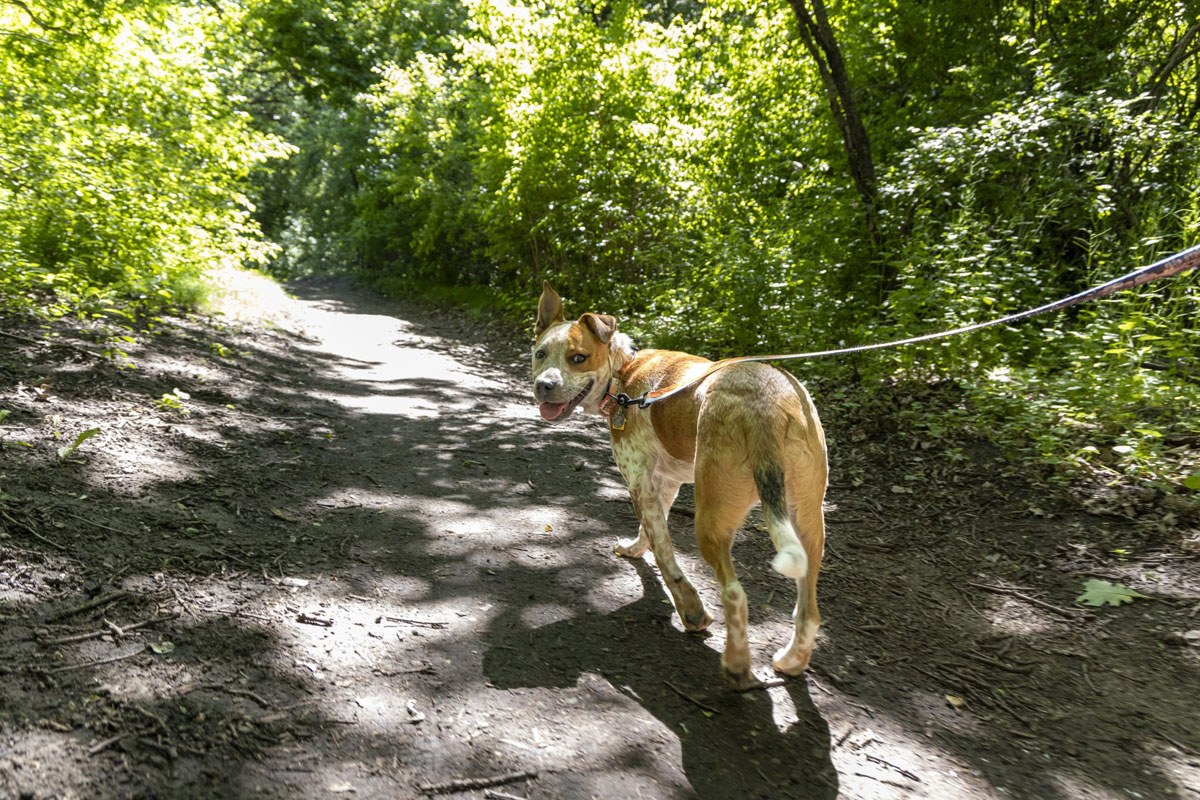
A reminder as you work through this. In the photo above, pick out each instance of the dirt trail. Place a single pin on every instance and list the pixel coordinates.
(361, 565)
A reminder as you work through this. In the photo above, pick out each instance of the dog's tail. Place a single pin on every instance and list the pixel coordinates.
(790, 559)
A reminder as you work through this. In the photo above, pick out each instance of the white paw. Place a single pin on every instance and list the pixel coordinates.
(631, 548)
(791, 661)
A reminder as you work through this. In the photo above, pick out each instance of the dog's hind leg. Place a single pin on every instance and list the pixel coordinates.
(723, 496)
(792, 659)
(805, 490)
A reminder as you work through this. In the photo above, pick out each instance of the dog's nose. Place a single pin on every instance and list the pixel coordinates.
(545, 385)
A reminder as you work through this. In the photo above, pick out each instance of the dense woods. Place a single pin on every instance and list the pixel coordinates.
(730, 177)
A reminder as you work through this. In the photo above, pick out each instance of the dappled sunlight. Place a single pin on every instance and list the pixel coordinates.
(50, 759)
(143, 466)
(129, 682)
(902, 761)
(245, 295)
(783, 709)
(1009, 616)
(1183, 773)
(1077, 786)
(612, 590)
(372, 598)
(536, 615)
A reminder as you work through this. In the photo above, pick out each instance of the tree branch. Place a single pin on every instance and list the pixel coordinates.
(41, 23)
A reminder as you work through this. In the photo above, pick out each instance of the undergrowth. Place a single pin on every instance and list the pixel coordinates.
(1134, 434)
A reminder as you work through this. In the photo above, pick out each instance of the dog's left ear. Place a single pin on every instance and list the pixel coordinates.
(550, 310)
(602, 326)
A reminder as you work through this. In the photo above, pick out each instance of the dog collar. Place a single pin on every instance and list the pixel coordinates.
(609, 403)
(612, 409)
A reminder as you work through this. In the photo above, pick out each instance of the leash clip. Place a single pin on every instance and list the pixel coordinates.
(624, 400)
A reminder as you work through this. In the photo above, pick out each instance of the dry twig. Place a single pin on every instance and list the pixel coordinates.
(417, 622)
(95, 602)
(83, 637)
(141, 648)
(1063, 612)
(691, 699)
(103, 745)
(470, 784)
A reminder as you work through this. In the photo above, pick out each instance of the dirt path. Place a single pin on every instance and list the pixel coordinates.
(360, 565)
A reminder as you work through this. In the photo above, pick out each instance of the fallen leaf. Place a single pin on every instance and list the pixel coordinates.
(162, 648)
(955, 701)
(1103, 593)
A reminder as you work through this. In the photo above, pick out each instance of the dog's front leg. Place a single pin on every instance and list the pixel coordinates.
(652, 497)
(633, 548)
(636, 548)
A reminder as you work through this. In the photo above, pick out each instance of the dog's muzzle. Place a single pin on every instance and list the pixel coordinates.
(547, 384)
(554, 410)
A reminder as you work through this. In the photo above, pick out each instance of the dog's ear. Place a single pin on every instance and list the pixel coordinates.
(550, 310)
(602, 326)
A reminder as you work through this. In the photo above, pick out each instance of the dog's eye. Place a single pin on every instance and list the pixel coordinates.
(539, 355)
(578, 358)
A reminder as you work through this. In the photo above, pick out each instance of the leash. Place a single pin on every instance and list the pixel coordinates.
(1166, 268)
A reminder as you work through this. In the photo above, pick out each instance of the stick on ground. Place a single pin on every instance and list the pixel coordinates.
(470, 784)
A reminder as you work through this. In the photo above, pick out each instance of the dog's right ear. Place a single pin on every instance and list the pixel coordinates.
(550, 310)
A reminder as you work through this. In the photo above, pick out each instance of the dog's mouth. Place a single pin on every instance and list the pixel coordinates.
(553, 411)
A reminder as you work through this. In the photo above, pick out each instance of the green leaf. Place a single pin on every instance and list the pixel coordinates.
(162, 648)
(1103, 593)
(1193, 481)
(63, 452)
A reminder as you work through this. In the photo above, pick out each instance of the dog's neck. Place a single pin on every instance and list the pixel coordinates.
(620, 352)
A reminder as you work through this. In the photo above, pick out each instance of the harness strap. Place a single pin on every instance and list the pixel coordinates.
(1165, 268)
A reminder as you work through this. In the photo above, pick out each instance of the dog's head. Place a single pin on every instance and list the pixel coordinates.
(573, 362)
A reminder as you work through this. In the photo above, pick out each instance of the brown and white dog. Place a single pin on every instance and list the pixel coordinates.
(746, 432)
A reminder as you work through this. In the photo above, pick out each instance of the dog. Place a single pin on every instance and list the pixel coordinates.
(743, 433)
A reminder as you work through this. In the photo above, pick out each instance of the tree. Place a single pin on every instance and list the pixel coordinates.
(123, 156)
(818, 38)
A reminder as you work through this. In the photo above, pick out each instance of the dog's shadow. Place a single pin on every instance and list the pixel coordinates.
(733, 745)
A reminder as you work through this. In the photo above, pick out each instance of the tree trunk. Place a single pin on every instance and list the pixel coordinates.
(818, 39)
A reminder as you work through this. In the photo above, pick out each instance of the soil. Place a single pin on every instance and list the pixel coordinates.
(344, 557)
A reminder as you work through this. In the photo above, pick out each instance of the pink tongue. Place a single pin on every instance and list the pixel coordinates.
(552, 411)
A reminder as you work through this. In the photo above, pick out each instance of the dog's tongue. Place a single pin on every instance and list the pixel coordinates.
(552, 411)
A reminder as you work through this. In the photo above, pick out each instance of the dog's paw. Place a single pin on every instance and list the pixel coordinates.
(631, 548)
(696, 622)
(743, 680)
(791, 662)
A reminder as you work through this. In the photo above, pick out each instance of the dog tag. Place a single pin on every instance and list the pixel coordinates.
(618, 420)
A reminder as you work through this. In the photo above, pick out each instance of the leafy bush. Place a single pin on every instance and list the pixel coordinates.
(122, 157)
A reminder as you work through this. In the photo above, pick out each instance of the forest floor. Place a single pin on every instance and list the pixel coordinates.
(344, 557)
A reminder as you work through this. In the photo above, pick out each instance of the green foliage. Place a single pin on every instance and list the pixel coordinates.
(122, 155)
(675, 163)
(679, 165)
(175, 400)
(65, 452)
(1103, 593)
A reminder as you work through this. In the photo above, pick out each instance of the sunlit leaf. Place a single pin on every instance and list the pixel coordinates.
(1101, 593)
